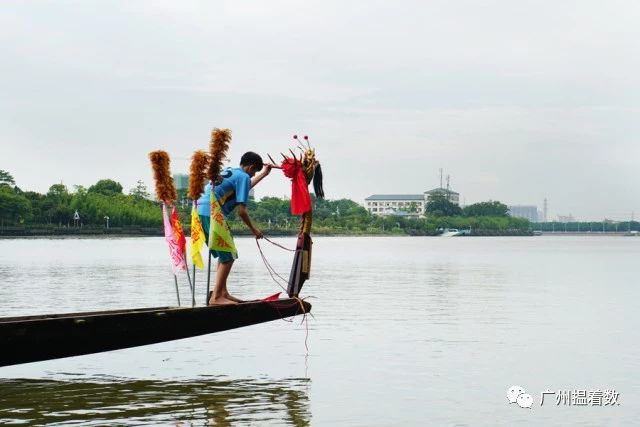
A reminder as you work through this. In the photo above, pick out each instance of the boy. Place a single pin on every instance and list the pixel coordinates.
(232, 192)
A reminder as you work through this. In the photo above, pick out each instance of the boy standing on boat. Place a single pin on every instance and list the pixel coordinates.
(232, 192)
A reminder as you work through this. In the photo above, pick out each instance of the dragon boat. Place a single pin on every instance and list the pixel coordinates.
(35, 338)
(26, 339)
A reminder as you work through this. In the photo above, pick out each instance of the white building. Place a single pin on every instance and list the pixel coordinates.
(389, 204)
(412, 205)
(451, 195)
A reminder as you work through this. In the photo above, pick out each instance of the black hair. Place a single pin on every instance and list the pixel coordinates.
(252, 159)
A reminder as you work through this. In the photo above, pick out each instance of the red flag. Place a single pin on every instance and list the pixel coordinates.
(300, 199)
(177, 230)
(178, 262)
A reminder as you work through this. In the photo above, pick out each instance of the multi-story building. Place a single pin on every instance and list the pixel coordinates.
(181, 180)
(410, 204)
(528, 212)
(452, 196)
(388, 204)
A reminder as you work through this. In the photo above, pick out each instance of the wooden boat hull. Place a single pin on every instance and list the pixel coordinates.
(35, 338)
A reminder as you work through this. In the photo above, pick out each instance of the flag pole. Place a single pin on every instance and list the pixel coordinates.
(193, 291)
(175, 279)
(208, 277)
(173, 233)
(193, 299)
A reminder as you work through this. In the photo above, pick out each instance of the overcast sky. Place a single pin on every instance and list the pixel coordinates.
(516, 100)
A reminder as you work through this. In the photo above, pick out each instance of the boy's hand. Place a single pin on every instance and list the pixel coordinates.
(267, 169)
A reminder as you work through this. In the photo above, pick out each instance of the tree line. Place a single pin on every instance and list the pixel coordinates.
(106, 198)
(57, 207)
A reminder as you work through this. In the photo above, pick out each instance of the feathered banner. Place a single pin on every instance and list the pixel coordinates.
(197, 238)
(176, 252)
(176, 225)
(166, 192)
(219, 145)
(220, 238)
(198, 174)
(197, 177)
(165, 189)
(219, 235)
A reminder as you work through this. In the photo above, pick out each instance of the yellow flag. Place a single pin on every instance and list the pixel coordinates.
(197, 238)
(220, 238)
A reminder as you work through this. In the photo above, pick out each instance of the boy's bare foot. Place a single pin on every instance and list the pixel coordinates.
(232, 298)
(221, 301)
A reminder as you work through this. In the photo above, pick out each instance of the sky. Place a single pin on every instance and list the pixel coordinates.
(516, 101)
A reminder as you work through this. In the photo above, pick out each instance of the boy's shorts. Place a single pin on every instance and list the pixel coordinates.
(222, 256)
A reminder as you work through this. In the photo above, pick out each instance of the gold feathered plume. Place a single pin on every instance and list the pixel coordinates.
(198, 174)
(165, 190)
(220, 140)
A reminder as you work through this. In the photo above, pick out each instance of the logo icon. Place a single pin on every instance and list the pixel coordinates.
(517, 394)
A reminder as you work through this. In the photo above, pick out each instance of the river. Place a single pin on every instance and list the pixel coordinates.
(405, 331)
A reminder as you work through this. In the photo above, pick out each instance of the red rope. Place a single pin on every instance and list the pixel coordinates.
(271, 270)
(273, 273)
(278, 245)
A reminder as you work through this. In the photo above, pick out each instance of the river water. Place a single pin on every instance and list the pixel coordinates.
(406, 331)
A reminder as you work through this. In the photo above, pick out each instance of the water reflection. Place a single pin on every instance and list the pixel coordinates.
(111, 401)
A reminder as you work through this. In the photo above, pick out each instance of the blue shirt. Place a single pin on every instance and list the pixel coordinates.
(232, 191)
(204, 202)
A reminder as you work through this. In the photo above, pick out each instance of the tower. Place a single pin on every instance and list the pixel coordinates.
(545, 210)
(448, 194)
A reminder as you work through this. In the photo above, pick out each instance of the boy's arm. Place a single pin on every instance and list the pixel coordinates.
(244, 214)
(256, 179)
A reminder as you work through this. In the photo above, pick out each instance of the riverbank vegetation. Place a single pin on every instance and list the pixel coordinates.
(104, 205)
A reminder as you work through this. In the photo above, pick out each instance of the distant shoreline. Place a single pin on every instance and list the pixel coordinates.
(55, 231)
(158, 232)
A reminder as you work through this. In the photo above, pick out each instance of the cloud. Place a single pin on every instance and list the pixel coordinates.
(515, 103)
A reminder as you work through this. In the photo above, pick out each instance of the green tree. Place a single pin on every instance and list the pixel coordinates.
(412, 208)
(56, 204)
(139, 191)
(490, 208)
(58, 191)
(13, 207)
(37, 212)
(439, 205)
(79, 189)
(108, 187)
(6, 179)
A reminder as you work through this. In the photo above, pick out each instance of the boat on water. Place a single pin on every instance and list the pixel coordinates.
(452, 232)
(35, 338)
(27, 339)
